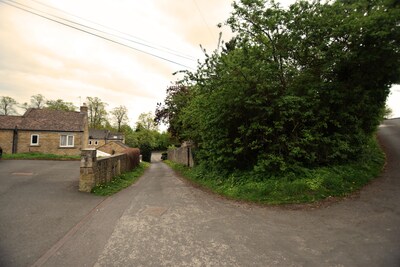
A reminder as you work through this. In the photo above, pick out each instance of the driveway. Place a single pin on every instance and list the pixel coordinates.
(164, 221)
(39, 204)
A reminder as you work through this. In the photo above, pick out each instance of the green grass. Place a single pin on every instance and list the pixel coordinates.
(40, 156)
(120, 182)
(306, 186)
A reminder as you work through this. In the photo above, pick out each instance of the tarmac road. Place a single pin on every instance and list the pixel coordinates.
(39, 204)
(167, 222)
(164, 221)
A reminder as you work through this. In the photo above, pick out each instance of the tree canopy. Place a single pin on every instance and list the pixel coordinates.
(295, 87)
(120, 116)
(7, 105)
(60, 104)
(97, 113)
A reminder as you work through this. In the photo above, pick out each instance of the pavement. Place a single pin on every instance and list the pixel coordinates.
(164, 221)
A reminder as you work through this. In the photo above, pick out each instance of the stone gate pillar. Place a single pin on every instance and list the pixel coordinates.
(87, 179)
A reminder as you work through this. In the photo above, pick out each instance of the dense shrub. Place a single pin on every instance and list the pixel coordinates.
(146, 149)
(133, 156)
(296, 87)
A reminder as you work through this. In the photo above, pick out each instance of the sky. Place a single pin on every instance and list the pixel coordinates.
(158, 37)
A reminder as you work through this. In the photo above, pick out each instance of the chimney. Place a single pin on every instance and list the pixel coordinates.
(84, 109)
(85, 137)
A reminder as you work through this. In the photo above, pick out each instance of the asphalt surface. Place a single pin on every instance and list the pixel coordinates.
(164, 221)
(39, 204)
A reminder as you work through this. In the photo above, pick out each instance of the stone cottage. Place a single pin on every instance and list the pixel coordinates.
(98, 138)
(45, 131)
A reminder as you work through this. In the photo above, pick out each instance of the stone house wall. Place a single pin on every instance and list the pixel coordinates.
(6, 137)
(92, 143)
(49, 143)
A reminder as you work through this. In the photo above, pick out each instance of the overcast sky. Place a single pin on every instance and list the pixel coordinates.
(39, 56)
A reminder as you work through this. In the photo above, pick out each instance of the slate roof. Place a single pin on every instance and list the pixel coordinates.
(105, 135)
(98, 134)
(45, 120)
(9, 122)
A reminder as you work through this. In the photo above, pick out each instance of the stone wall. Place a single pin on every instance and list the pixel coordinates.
(182, 155)
(95, 171)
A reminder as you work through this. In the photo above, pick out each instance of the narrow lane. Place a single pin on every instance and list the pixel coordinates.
(167, 222)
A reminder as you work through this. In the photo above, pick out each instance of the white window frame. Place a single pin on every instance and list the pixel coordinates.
(37, 143)
(90, 142)
(96, 142)
(67, 136)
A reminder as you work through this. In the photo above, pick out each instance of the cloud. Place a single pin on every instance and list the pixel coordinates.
(197, 21)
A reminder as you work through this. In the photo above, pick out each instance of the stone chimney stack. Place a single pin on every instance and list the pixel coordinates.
(85, 137)
(84, 109)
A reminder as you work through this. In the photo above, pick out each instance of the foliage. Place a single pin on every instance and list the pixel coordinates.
(60, 104)
(302, 186)
(120, 182)
(25, 106)
(163, 141)
(133, 155)
(7, 105)
(146, 122)
(146, 134)
(178, 97)
(120, 115)
(37, 101)
(295, 88)
(40, 156)
(145, 150)
(97, 113)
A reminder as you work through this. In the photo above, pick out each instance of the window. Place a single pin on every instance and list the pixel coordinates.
(90, 142)
(34, 140)
(66, 141)
(96, 142)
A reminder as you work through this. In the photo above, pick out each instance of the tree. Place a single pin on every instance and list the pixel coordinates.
(296, 87)
(38, 101)
(178, 97)
(146, 121)
(7, 105)
(60, 104)
(120, 115)
(97, 113)
(25, 106)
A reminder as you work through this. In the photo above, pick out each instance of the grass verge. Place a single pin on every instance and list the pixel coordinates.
(306, 186)
(120, 182)
(40, 156)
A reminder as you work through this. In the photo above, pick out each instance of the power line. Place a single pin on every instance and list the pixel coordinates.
(88, 32)
(91, 28)
(166, 49)
(204, 20)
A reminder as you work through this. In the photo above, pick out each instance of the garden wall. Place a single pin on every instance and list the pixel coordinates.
(94, 171)
(182, 155)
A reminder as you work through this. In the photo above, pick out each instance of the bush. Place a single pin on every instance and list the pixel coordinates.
(146, 152)
(133, 156)
(164, 156)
